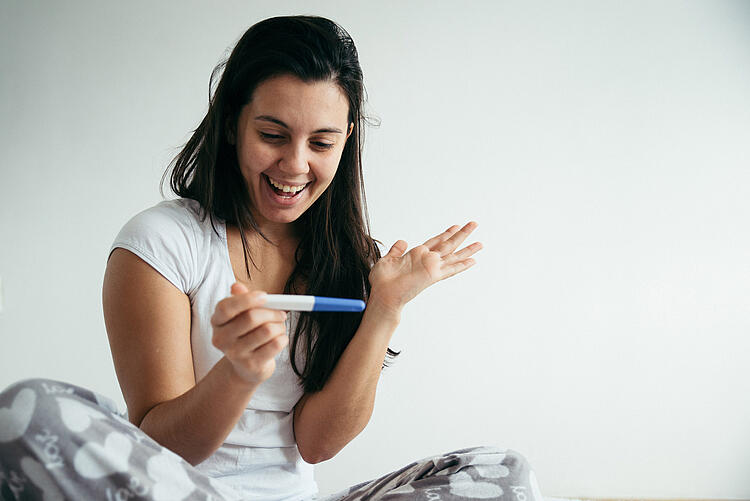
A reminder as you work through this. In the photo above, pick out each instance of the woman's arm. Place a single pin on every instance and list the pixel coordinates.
(148, 324)
(197, 422)
(324, 422)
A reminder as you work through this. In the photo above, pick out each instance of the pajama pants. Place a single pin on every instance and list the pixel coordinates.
(60, 442)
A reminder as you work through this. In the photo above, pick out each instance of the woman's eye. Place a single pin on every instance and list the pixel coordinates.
(274, 137)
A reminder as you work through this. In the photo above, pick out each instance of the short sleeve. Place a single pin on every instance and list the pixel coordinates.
(164, 237)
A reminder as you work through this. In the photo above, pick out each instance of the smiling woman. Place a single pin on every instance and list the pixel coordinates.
(290, 139)
(291, 87)
(226, 396)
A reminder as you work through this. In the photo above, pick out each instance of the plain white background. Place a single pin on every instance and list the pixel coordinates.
(603, 147)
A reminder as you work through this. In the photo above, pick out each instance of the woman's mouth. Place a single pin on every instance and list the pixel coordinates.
(285, 193)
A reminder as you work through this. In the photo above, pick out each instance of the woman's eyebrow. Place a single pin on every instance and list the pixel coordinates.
(269, 118)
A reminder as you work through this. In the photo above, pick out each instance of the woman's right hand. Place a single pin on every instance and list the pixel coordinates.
(249, 335)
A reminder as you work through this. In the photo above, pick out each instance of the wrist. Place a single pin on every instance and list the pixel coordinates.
(384, 309)
(233, 380)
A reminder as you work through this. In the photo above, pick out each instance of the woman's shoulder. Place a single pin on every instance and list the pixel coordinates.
(167, 236)
(179, 209)
(180, 214)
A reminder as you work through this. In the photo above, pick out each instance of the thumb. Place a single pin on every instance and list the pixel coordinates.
(239, 288)
(398, 249)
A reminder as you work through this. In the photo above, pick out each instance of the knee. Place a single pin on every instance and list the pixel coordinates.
(510, 462)
(515, 461)
(508, 467)
(36, 392)
(32, 384)
(522, 476)
(39, 385)
(18, 402)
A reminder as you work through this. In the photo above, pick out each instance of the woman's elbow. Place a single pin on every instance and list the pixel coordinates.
(320, 443)
(313, 454)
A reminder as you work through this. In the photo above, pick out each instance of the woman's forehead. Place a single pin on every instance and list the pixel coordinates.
(300, 105)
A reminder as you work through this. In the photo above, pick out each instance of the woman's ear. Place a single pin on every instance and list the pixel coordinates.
(351, 129)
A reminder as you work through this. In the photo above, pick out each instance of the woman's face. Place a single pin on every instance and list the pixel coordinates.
(290, 138)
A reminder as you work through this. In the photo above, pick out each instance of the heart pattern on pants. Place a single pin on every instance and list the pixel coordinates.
(76, 416)
(59, 441)
(15, 419)
(463, 485)
(40, 477)
(96, 461)
(492, 470)
(171, 482)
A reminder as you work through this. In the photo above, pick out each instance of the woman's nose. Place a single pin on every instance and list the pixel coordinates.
(294, 160)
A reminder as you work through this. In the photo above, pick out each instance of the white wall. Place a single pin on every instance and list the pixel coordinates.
(602, 147)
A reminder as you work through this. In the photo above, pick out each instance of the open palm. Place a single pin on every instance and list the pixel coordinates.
(399, 275)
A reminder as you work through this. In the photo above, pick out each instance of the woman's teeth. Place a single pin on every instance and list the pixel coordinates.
(286, 188)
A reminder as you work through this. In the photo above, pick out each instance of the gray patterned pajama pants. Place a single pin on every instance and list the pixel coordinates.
(60, 442)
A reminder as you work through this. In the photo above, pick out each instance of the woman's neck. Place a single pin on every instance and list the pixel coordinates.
(284, 238)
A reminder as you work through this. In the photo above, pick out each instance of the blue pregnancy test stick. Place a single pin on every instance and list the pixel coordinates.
(294, 302)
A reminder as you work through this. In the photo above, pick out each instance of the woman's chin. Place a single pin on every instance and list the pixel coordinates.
(281, 217)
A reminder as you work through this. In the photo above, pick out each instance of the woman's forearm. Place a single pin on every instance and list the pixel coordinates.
(197, 422)
(324, 422)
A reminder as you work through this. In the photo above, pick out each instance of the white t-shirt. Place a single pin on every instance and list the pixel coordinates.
(259, 458)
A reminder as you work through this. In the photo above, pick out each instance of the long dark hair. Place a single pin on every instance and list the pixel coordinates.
(336, 251)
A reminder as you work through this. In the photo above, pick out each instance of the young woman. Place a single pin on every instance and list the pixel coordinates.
(227, 399)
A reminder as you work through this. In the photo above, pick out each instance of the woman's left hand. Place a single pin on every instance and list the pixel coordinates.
(397, 277)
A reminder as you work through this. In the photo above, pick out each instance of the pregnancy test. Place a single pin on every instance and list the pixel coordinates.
(294, 302)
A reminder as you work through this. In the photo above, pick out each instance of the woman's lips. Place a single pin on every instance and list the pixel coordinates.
(281, 199)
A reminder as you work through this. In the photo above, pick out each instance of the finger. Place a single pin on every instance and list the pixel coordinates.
(258, 337)
(231, 306)
(238, 288)
(398, 249)
(443, 236)
(260, 363)
(454, 241)
(464, 253)
(455, 268)
(255, 318)
(272, 348)
(245, 324)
